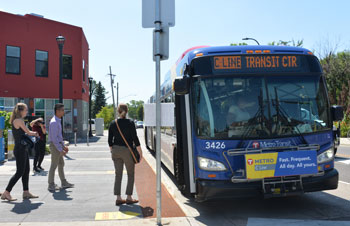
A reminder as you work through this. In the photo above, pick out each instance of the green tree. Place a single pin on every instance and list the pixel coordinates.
(99, 100)
(7, 116)
(298, 43)
(336, 68)
(107, 114)
(133, 106)
(239, 44)
(139, 112)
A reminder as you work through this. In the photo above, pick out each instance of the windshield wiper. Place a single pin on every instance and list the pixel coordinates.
(258, 114)
(280, 111)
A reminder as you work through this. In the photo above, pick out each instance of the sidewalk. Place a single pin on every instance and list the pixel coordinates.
(91, 201)
(345, 141)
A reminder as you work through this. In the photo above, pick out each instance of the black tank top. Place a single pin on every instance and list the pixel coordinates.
(17, 134)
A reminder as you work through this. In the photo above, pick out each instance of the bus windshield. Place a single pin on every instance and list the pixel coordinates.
(251, 107)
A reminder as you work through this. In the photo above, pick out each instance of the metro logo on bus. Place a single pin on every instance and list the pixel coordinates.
(256, 144)
(250, 162)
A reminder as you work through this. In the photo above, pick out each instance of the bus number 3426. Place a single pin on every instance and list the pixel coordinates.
(214, 145)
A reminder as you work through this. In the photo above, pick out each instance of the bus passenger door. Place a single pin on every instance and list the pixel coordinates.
(183, 154)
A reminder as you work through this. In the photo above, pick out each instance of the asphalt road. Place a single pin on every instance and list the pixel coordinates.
(318, 208)
(342, 163)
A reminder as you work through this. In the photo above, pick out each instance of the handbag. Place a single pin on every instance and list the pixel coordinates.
(134, 153)
(29, 141)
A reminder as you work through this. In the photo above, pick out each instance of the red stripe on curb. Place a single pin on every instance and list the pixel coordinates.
(145, 181)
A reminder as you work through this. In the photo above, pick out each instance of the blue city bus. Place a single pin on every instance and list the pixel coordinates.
(249, 121)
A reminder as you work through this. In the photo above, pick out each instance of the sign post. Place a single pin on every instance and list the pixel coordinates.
(156, 13)
(158, 119)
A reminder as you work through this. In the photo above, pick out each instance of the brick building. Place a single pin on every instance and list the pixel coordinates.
(29, 68)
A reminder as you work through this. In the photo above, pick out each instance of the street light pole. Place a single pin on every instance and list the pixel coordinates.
(60, 42)
(90, 94)
(117, 93)
(251, 39)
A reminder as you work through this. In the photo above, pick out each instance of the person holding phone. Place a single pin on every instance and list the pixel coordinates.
(39, 127)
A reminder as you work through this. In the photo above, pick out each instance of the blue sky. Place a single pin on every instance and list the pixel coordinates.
(116, 38)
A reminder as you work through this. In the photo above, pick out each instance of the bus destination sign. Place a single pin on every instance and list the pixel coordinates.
(258, 62)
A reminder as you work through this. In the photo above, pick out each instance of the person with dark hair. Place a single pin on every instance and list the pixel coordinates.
(21, 153)
(39, 127)
(121, 154)
(58, 150)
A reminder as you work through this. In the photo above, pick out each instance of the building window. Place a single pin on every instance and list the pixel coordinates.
(87, 74)
(7, 103)
(13, 60)
(85, 115)
(67, 66)
(68, 116)
(40, 104)
(41, 63)
(83, 70)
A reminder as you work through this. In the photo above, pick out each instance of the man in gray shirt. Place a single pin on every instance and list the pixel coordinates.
(58, 150)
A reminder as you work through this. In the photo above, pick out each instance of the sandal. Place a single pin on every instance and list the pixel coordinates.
(119, 202)
(132, 201)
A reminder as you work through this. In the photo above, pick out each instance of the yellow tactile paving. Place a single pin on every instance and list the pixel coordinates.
(115, 215)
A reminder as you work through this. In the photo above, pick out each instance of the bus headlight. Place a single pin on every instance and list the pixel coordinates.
(210, 165)
(325, 156)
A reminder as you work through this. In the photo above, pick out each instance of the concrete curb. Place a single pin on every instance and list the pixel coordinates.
(176, 221)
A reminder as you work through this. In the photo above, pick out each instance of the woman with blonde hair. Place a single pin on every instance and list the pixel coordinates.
(121, 154)
(21, 153)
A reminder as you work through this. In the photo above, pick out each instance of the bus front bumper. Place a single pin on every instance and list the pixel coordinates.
(211, 189)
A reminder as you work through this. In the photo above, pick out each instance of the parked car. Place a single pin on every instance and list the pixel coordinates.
(139, 124)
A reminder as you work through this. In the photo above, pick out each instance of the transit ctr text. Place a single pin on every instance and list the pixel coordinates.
(271, 61)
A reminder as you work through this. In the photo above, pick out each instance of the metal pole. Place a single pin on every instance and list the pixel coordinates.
(90, 88)
(112, 81)
(117, 93)
(61, 81)
(61, 75)
(158, 112)
(75, 138)
(87, 138)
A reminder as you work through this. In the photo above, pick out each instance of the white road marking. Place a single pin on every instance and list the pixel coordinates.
(343, 182)
(347, 162)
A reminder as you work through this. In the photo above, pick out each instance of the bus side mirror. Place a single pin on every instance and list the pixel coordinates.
(181, 86)
(337, 113)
